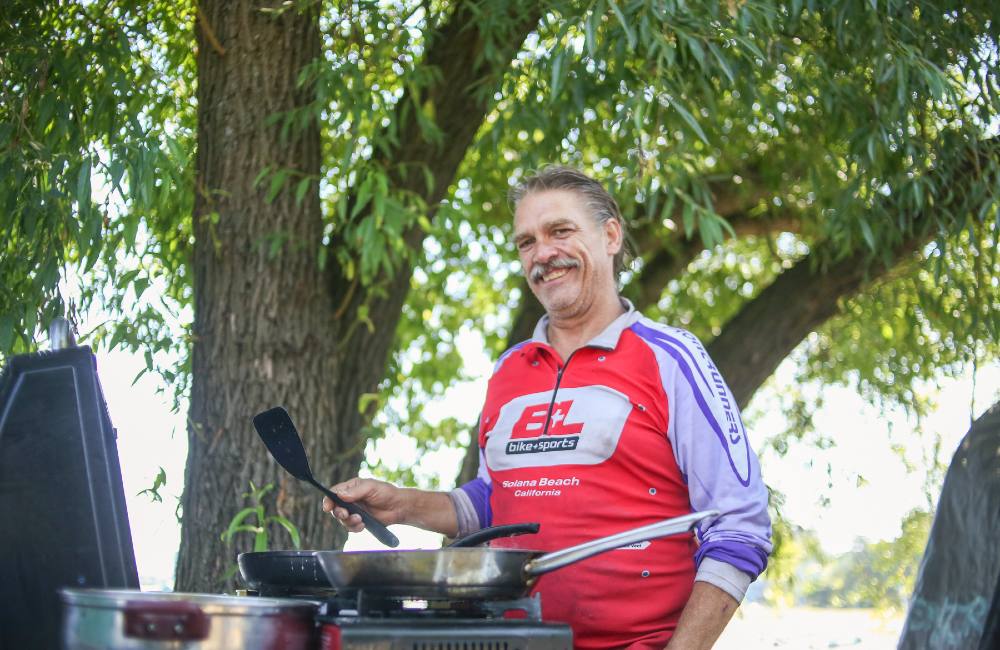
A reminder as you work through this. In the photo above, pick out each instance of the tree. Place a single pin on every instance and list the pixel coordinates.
(790, 174)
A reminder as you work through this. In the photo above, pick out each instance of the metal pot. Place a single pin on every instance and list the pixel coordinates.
(474, 572)
(132, 620)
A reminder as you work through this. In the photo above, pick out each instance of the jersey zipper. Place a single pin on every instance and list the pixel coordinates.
(552, 402)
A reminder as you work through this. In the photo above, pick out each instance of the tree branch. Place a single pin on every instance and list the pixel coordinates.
(804, 297)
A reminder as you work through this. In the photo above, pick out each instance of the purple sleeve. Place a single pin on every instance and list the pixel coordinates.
(711, 449)
(478, 491)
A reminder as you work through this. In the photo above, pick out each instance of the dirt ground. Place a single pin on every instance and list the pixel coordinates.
(757, 626)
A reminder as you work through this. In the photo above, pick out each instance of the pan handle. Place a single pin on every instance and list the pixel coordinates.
(494, 532)
(559, 559)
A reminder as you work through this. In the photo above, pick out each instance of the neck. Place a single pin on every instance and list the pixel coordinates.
(568, 332)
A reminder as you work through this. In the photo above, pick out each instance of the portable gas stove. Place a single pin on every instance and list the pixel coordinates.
(376, 622)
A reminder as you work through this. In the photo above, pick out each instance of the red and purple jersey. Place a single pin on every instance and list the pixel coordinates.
(635, 427)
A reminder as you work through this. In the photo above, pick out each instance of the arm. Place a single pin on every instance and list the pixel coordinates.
(721, 470)
(722, 473)
(464, 510)
(706, 614)
(394, 505)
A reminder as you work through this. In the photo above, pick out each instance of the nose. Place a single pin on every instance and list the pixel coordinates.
(544, 252)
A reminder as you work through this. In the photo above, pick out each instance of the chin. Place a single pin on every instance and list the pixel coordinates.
(559, 305)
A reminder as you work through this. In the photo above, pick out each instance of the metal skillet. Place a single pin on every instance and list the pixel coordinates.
(299, 570)
(472, 573)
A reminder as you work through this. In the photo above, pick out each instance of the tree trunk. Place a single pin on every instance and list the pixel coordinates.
(275, 328)
(260, 305)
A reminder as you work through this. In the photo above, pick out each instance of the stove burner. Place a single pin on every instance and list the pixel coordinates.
(376, 621)
(375, 605)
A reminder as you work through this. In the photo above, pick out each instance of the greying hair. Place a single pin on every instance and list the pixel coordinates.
(602, 205)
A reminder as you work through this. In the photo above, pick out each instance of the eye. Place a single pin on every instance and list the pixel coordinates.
(524, 244)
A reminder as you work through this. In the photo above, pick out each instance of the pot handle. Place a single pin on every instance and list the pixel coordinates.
(494, 532)
(559, 559)
(165, 621)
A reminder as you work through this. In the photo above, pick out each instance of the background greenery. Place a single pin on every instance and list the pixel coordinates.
(741, 138)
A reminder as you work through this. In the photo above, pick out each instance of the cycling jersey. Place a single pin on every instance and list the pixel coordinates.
(635, 427)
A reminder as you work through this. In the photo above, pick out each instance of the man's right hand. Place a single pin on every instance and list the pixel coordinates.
(393, 505)
(384, 501)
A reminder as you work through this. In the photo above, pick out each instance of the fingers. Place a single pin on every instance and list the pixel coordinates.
(355, 489)
(351, 522)
(347, 491)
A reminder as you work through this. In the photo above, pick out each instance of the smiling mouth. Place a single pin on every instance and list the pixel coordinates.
(552, 271)
(554, 274)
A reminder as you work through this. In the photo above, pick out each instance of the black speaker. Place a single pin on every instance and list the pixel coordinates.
(63, 521)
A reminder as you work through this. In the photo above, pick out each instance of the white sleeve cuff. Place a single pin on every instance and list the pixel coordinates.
(724, 576)
(465, 512)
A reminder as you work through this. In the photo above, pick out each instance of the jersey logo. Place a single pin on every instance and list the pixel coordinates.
(531, 424)
(583, 428)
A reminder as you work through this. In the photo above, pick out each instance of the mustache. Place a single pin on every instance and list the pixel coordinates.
(560, 263)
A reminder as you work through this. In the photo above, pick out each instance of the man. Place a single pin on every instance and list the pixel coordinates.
(602, 422)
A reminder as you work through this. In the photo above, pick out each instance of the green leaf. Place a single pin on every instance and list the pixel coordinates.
(131, 229)
(590, 32)
(117, 171)
(277, 183)
(866, 232)
(236, 523)
(723, 63)
(629, 34)
(261, 175)
(83, 185)
(693, 123)
(364, 195)
(696, 49)
(366, 400)
(557, 74)
(293, 531)
(301, 189)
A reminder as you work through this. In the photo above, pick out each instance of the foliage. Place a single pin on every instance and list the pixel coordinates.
(153, 492)
(96, 135)
(255, 520)
(832, 135)
(874, 574)
(759, 133)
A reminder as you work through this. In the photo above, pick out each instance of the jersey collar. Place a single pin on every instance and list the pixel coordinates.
(607, 340)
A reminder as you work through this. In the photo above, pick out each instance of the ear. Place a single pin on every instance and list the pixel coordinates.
(613, 236)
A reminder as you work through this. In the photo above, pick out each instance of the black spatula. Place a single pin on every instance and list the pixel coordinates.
(276, 429)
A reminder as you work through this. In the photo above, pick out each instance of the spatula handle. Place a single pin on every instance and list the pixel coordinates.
(376, 527)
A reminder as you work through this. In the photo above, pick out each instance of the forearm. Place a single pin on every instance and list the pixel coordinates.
(706, 614)
(430, 510)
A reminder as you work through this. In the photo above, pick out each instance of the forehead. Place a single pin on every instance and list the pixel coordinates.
(543, 208)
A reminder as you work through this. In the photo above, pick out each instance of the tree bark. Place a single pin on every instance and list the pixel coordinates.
(260, 312)
(275, 328)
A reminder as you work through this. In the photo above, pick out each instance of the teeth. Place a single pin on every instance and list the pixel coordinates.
(555, 275)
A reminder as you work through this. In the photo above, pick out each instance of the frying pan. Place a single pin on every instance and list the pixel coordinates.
(301, 571)
(464, 573)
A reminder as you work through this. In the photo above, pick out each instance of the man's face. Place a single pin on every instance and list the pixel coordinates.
(567, 257)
